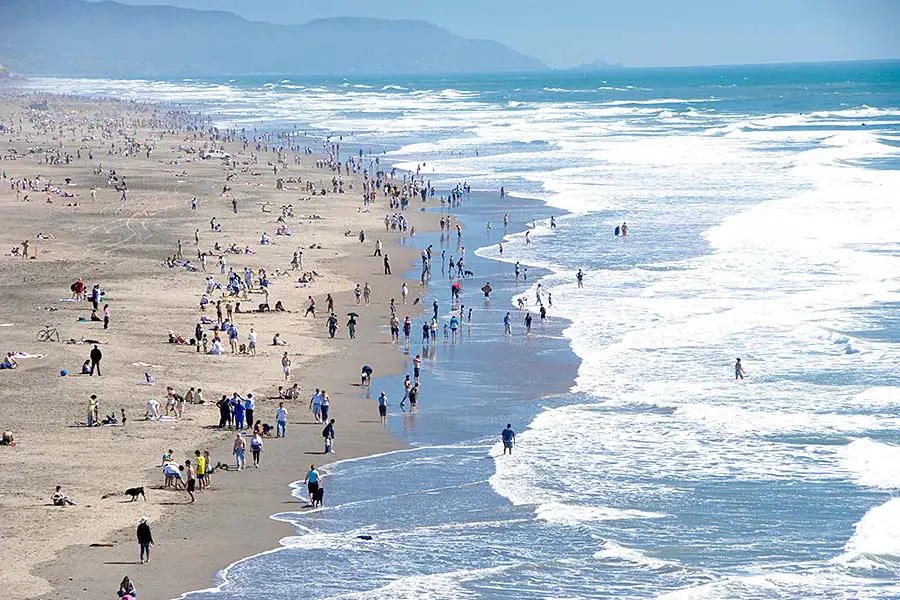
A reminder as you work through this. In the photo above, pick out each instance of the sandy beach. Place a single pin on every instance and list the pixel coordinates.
(84, 550)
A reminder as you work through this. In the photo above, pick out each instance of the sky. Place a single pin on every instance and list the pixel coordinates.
(633, 32)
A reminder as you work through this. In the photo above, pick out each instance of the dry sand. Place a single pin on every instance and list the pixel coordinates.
(47, 551)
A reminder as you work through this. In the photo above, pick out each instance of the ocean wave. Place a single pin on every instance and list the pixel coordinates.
(560, 513)
(872, 464)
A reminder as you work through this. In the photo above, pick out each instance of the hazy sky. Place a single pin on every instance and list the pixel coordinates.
(634, 32)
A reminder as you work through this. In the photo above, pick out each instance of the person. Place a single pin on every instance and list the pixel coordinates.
(200, 461)
(367, 293)
(251, 342)
(366, 378)
(240, 447)
(312, 482)
(126, 589)
(106, 316)
(351, 327)
(382, 408)
(9, 362)
(387, 265)
(404, 292)
(191, 479)
(256, 446)
(624, 229)
(738, 369)
(96, 356)
(311, 308)
(60, 499)
(413, 396)
(93, 417)
(145, 539)
(324, 405)
(249, 407)
(332, 324)
(315, 405)
(509, 438)
(507, 324)
(580, 277)
(328, 435)
(527, 322)
(286, 365)
(85, 367)
(281, 421)
(417, 366)
(377, 248)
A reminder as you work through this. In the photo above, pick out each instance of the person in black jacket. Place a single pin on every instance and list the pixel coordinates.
(96, 355)
(145, 539)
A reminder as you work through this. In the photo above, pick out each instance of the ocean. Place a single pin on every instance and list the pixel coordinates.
(763, 224)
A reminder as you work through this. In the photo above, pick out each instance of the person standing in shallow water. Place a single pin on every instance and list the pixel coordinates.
(738, 369)
(509, 438)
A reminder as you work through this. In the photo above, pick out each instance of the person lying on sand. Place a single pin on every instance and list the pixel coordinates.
(9, 362)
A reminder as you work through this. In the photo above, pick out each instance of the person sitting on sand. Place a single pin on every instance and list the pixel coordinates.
(7, 439)
(278, 340)
(217, 348)
(60, 499)
(126, 590)
(9, 362)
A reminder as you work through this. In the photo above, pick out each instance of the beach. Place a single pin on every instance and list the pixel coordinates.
(83, 551)
(655, 226)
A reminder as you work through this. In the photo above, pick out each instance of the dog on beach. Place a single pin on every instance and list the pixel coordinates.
(320, 495)
(135, 492)
(468, 273)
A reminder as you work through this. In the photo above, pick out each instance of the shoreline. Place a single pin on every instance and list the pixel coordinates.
(232, 511)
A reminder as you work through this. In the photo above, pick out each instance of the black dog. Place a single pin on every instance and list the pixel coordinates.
(320, 495)
(468, 273)
(135, 492)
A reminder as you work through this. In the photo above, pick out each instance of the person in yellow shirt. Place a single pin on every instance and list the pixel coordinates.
(201, 469)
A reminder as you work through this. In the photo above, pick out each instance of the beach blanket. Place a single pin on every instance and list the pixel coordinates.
(26, 355)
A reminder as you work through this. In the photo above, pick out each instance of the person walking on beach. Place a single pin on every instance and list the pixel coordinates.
(507, 325)
(191, 479)
(286, 365)
(738, 369)
(256, 446)
(367, 293)
(96, 356)
(509, 438)
(324, 405)
(312, 483)
(387, 264)
(328, 435)
(240, 447)
(580, 277)
(377, 248)
(332, 325)
(382, 408)
(106, 316)
(351, 327)
(311, 308)
(145, 539)
(281, 421)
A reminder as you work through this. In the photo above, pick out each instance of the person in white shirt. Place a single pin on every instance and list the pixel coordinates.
(251, 342)
(281, 421)
(153, 410)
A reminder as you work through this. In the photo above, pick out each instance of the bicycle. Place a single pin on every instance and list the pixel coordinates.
(48, 333)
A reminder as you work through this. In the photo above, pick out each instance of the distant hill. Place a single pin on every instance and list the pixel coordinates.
(108, 39)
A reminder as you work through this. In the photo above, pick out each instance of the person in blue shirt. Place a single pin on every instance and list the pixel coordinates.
(382, 407)
(509, 438)
(507, 324)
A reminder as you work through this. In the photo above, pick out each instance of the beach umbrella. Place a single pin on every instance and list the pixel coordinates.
(352, 314)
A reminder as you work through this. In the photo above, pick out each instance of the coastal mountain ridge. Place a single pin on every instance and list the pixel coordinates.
(109, 39)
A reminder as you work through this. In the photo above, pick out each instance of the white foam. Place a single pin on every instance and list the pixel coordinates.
(872, 464)
(573, 514)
